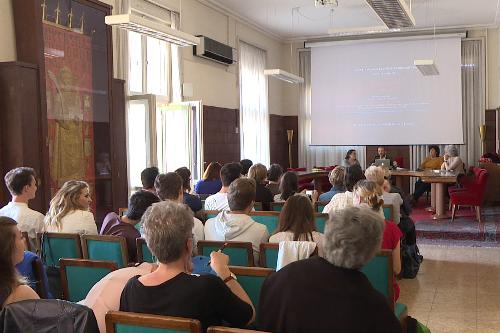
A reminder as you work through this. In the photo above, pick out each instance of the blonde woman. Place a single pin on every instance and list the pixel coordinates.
(69, 210)
(367, 194)
(379, 176)
(258, 172)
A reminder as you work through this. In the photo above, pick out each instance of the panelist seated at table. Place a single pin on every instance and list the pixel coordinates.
(431, 162)
(452, 162)
(382, 155)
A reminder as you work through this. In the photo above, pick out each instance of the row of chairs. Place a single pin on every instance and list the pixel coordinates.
(275, 206)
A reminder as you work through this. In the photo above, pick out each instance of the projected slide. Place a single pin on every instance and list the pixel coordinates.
(370, 93)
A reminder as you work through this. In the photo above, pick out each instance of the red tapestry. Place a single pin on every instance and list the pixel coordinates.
(68, 69)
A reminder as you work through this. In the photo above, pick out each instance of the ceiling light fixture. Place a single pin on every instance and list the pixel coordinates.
(284, 76)
(427, 67)
(394, 13)
(326, 3)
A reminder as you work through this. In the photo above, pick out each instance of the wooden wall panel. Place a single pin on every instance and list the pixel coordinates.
(278, 126)
(221, 137)
(490, 141)
(119, 145)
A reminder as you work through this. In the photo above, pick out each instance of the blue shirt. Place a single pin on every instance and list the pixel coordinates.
(208, 186)
(25, 268)
(327, 196)
(193, 202)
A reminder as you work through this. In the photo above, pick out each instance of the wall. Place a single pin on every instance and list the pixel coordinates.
(7, 37)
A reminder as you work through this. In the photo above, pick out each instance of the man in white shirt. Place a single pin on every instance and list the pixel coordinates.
(236, 225)
(169, 187)
(228, 173)
(21, 183)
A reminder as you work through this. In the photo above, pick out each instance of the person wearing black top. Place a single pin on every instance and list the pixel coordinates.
(258, 172)
(192, 201)
(170, 290)
(330, 294)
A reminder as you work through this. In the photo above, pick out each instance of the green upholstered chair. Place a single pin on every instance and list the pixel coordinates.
(210, 214)
(55, 246)
(268, 256)
(269, 219)
(277, 206)
(223, 329)
(388, 212)
(257, 206)
(320, 205)
(251, 280)
(78, 276)
(129, 322)
(143, 251)
(320, 220)
(110, 248)
(240, 253)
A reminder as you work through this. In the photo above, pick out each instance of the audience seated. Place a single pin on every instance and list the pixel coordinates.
(125, 226)
(148, 177)
(289, 185)
(336, 178)
(431, 162)
(210, 182)
(69, 210)
(377, 175)
(367, 194)
(236, 225)
(258, 172)
(343, 200)
(273, 176)
(296, 223)
(351, 158)
(330, 294)
(170, 290)
(452, 162)
(105, 294)
(22, 186)
(245, 166)
(191, 200)
(13, 287)
(169, 187)
(228, 173)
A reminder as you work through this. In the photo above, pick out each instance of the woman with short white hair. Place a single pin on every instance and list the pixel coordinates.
(452, 162)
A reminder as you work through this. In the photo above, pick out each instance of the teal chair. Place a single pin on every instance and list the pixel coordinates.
(277, 206)
(257, 206)
(320, 220)
(268, 255)
(78, 276)
(240, 253)
(381, 275)
(269, 219)
(388, 212)
(210, 214)
(55, 246)
(251, 280)
(143, 252)
(129, 322)
(111, 248)
(320, 205)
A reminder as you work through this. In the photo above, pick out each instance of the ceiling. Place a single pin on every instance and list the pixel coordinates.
(294, 19)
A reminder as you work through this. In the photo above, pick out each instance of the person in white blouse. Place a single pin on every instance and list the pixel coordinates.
(69, 210)
(340, 201)
(452, 162)
(296, 223)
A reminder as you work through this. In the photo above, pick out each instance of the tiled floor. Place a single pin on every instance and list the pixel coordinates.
(457, 290)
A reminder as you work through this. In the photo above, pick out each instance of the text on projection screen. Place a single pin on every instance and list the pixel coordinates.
(370, 93)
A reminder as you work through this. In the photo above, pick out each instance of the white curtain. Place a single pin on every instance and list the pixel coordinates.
(311, 156)
(254, 113)
(176, 91)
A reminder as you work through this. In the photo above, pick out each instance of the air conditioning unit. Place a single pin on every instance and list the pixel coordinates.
(214, 50)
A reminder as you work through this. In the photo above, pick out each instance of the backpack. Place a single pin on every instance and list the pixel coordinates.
(410, 254)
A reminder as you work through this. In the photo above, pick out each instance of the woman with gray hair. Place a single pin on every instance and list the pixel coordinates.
(452, 162)
(171, 290)
(328, 294)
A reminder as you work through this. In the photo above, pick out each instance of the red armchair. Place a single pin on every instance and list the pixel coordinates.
(473, 195)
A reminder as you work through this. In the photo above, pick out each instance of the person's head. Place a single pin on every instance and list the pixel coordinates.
(274, 173)
(375, 174)
(73, 195)
(380, 151)
(353, 174)
(297, 216)
(138, 203)
(258, 172)
(451, 150)
(289, 185)
(241, 194)
(434, 150)
(351, 154)
(186, 178)
(336, 176)
(167, 228)
(212, 172)
(369, 193)
(148, 177)
(11, 253)
(352, 237)
(229, 172)
(21, 182)
(169, 186)
(245, 166)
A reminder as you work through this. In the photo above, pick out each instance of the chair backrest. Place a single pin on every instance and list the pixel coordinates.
(78, 276)
(379, 272)
(251, 280)
(482, 181)
(122, 211)
(111, 248)
(269, 219)
(223, 329)
(268, 256)
(257, 206)
(38, 272)
(240, 253)
(26, 241)
(55, 246)
(210, 214)
(388, 212)
(319, 206)
(277, 206)
(143, 251)
(320, 220)
(129, 322)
